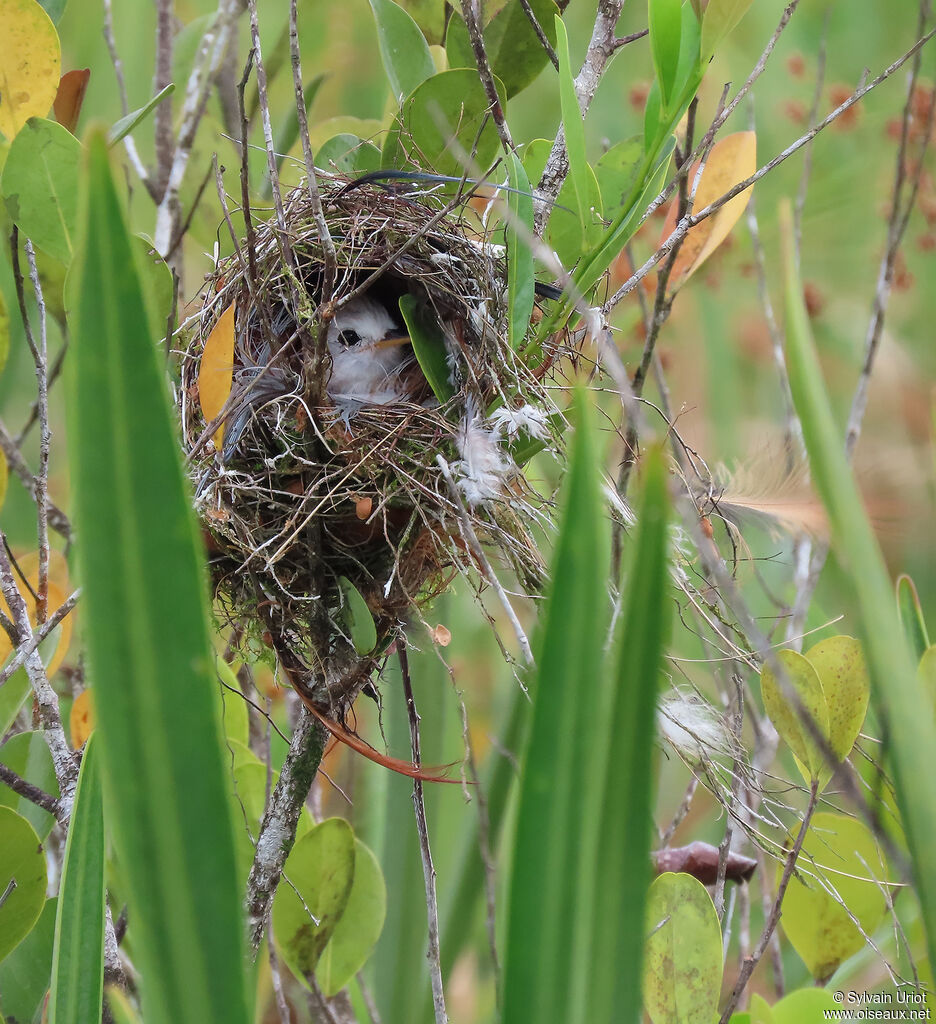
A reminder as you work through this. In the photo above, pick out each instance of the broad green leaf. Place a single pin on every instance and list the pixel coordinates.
(719, 20)
(358, 617)
(234, 712)
(616, 170)
(30, 66)
(446, 107)
(761, 1011)
(146, 630)
(403, 48)
(40, 186)
(740, 1018)
(120, 1006)
(805, 1006)
(345, 124)
(890, 660)
(321, 870)
(520, 280)
(27, 754)
(621, 872)
(574, 126)
(683, 971)
(24, 973)
(156, 281)
(216, 371)
(786, 717)
(78, 961)
(429, 346)
(348, 154)
(514, 51)
(54, 8)
(911, 615)
(359, 926)
(126, 124)
(429, 15)
(839, 663)
(22, 861)
(665, 20)
(688, 68)
(926, 675)
(548, 854)
(13, 694)
(842, 853)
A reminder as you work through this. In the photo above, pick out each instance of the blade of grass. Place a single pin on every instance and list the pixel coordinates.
(621, 872)
(911, 616)
(519, 254)
(893, 673)
(78, 958)
(147, 635)
(573, 125)
(548, 857)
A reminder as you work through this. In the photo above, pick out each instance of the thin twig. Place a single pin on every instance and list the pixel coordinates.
(770, 924)
(422, 828)
(32, 793)
(25, 650)
(540, 34)
(472, 18)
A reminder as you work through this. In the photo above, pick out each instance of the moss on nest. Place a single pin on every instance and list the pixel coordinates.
(316, 488)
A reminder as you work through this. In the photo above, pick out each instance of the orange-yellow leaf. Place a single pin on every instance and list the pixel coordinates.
(217, 370)
(81, 720)
(58, 593)
(731, 160)
(70, 96)
(30, 62)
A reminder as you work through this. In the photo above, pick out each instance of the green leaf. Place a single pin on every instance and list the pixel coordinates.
(24, 973)
(520, 280)
(349, 154)
(616, 171)
(359, 926)
(891, 662)
(321, 870)
(126, 124)
(839, 663)
(403, 48)
(548, 854)
(446, 107)
(54, 8)
(28, 755)
(761, 1012)
(288, 130)
(926, 675)
(429, 345)
(911, 616)
(40, 185)
(234, 712)
(842, 853)
(78, 962)
(805, 1006)
(665, 31)
(683, 973)
(514, 51)
(13, 694)
(120, 1006)
(625, 816)
(146, 629)
(358, 617)
(786, 717)
(719, 20)
(21, 861)
(574, 126)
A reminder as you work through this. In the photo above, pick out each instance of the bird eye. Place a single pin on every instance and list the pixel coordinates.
(348, 337)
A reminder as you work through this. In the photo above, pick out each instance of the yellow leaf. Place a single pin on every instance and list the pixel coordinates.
(81, 720)
(58, 593)
(732, 160)
(217, 370)
(30, 64)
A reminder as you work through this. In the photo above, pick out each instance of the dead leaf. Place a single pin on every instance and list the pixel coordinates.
(731, 160)
(216, 373)
(70, 96)
(81, 720)
(363, 508)
(441, 635)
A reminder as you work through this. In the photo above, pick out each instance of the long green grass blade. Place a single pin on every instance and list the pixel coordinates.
(147, 637)
(622, 869)
(893, 675)
(78, 958)
(574, 127)
(548, 856)
(911, 616)
(520, 282)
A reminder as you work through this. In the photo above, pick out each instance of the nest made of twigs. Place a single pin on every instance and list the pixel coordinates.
(315, 488)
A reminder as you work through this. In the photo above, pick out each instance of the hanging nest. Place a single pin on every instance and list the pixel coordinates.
(319, 483)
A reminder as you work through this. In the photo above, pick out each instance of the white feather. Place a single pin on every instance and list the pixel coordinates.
(483, 465)
(363, 374)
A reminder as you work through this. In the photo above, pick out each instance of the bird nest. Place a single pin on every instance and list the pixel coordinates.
(371, 440)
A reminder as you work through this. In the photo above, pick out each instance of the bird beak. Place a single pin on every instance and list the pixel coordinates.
(393, 342)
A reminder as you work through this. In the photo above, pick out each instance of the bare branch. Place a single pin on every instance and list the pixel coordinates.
(472, 18)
